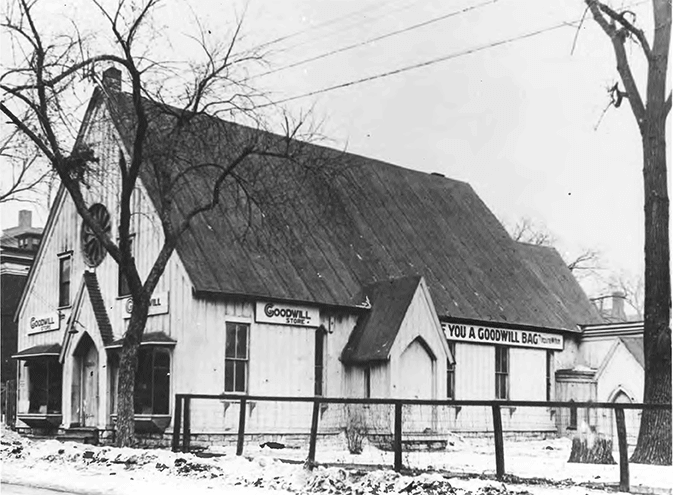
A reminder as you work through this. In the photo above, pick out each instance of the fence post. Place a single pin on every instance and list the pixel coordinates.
(187, 424)
(314, 432)
(499, 445)
(623, 450)
(241, 425)
(177, 420)
(397, 439)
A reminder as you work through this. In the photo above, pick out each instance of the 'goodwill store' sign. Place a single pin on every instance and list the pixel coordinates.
(502, 336)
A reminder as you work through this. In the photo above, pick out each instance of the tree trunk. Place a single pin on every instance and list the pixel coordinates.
(591, 450)
(125, 434)
(654, 438)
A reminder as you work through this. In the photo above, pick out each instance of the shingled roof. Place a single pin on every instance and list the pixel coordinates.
(376, 330)
(98, 306)
(320, 234)
(546, 263)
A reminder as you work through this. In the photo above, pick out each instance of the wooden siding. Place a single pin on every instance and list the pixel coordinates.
(63, 236)
(421, 322)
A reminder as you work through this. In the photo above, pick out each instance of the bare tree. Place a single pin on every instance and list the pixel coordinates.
(170, 104)
(586, 262)
(24, 177)
(651, 112)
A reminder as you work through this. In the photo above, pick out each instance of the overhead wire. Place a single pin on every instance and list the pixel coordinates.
(377, 38)
(424, 63)
(323, 24)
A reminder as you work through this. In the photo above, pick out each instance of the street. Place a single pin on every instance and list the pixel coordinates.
(7, 489)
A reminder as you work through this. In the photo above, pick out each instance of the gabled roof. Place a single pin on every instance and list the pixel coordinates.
(319, 236)
(635, 346)
(98, 306)
(546, 263)
(376, 330)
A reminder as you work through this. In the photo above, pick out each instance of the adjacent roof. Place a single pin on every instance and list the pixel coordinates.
(376, 330)
(39, 351)
(546, 263)
(321, 228)
(635, 347)
(150, 338)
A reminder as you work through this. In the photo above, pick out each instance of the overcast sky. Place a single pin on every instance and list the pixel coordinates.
(517, 120)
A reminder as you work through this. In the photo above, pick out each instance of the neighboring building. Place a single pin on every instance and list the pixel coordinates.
(610, 367)
(18, 246)
(379, 282)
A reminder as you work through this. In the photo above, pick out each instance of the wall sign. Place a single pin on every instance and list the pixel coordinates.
(44, 323)
(502, 336)
(287, 314)
(158, 305)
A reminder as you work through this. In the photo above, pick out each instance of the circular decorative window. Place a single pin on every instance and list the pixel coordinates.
(92, 248)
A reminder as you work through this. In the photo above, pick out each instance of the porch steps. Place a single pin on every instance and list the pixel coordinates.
(83, 435)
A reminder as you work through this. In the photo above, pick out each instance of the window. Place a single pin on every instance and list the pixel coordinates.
(44, 386)
(123, 288)
(573, 417)
(64, 268)
(368, 382)
(451, 373)
(236, 358)
(319, 360)
(152, 389)
(502, 373)
(550, 365)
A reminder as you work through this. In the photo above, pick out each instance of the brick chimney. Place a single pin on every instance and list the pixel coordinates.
(112, 79)
(618, 312)
(25, 219)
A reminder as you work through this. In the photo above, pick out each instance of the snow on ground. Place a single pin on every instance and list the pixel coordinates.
(96, 470)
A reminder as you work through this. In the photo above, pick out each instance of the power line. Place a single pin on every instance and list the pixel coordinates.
(424, 64)
(377, 38)
(328, 22)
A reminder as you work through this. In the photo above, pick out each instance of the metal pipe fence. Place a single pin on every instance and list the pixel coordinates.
(409, 434)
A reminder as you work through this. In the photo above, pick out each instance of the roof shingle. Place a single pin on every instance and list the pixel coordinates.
(319, 234)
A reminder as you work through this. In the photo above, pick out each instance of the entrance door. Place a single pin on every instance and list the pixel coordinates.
(85, 386)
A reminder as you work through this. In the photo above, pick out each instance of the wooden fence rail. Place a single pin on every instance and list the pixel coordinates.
(183, 402)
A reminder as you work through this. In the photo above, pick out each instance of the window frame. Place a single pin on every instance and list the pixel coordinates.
(51, 385)
(549, 374)
(64, 286)
(368, 382)
(153, 389)
(501, 372)
(235, 360)
(319, 362)
(451, 373)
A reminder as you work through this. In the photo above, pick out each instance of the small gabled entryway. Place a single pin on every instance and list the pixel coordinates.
(85, 396)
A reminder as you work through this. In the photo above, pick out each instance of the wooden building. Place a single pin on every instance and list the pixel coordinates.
(377, 281)
(610, 367)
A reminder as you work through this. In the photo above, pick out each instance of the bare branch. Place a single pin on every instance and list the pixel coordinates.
(623, 67)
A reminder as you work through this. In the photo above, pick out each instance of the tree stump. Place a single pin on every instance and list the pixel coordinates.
(591, 449)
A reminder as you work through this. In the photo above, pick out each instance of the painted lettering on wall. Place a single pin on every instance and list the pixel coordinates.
(44, 323)
(503, 336)
(158, 305)
(287, 314)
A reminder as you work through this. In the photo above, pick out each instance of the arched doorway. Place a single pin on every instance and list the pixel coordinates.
(85, 383)
(631, 416)
(418, 381)
(417, 371)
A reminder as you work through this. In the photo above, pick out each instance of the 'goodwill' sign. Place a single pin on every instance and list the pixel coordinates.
(44, 323)
(158, 305)
(287, 314)
(502, 336)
